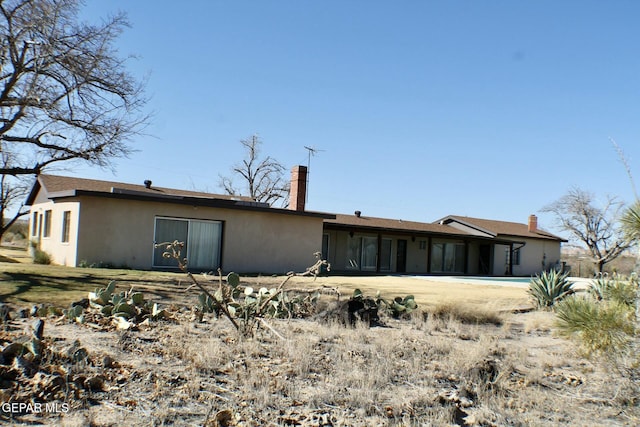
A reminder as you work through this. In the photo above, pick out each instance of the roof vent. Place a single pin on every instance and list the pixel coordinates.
(147, 183)
(358, 213)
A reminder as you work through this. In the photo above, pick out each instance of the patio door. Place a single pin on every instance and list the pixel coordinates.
(202, 242)
(369, 253)
(448, 258)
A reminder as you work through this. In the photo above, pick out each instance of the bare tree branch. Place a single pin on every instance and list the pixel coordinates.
(12, 192)
(64, 91)
(262, 179)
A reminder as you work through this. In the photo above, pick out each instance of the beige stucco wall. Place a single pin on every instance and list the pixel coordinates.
(531, 257)
(416, 257)
(121, 232)
(63, 253)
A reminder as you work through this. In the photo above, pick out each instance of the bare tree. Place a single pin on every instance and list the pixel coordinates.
(262, 178)
(599, 228)
(64, 92)
(13, 192)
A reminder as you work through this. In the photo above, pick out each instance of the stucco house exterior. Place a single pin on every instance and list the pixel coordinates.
(82, 221)
(453, 245)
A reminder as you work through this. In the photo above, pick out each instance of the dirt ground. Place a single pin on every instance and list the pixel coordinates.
(434, 368)
(422, 371)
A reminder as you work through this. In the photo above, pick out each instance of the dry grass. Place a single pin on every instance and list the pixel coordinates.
(27, 283)
(468, 361)
(409, 374)
(467, 313)
(428, 293)
(416, 372)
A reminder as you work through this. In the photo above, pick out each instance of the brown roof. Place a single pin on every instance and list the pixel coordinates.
(55, 184)
(502, 228)
(57, 187)
(345, 221)
(495, 230)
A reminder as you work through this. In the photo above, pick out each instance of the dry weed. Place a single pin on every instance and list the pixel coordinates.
(433, 370)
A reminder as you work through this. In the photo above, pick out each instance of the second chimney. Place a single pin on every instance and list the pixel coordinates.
(533, 223)
(298, 192)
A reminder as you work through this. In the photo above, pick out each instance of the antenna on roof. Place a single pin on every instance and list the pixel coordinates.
(312, 151)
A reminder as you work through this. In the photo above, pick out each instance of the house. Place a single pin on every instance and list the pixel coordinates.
(82, 221)
(453, 245)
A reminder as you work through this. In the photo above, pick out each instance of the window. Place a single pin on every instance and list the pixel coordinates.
(47, 224)
(447, 258)
(34, 224)
(369, 253)
(385, 255)
(66, 224)
(202, 239)
(423, 245)
(515, 256)
(354, 249)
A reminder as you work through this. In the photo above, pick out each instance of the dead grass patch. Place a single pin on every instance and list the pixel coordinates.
(404, 374)
(466, 313)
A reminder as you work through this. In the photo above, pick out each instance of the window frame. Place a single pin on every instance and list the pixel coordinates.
(515, 260)
(66, 227)
(46, 229)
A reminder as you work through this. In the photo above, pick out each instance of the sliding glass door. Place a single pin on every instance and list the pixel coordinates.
(168, 230)
(204, 245)
(203, 240)
(362, 253)
(447, 258)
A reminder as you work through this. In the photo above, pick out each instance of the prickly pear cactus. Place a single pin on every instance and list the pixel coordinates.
(233, 279)
(73, 313)
(137, 298)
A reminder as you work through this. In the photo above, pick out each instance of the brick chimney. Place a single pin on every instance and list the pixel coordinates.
(298, 192)
(533, 223)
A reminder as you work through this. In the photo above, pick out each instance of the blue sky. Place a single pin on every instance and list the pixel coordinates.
(490, 109)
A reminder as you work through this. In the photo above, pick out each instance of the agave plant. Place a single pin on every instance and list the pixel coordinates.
(550, 287)
(614, 288)
(599, 286)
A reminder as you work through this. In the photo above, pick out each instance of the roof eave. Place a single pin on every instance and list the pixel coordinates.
(34, 191)
(540, 236)
(452, 218)
(192, 201)
(349, 227)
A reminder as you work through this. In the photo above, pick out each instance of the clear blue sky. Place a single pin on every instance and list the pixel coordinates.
(490, 109)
